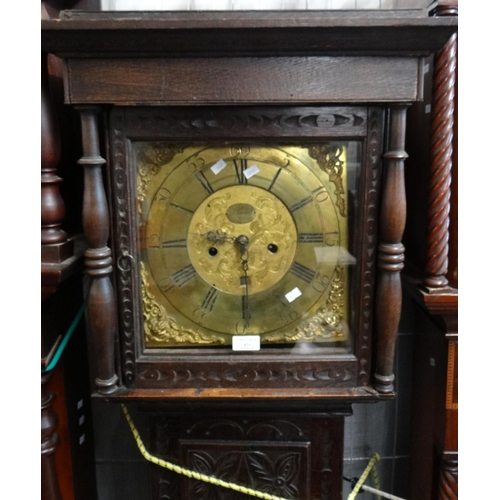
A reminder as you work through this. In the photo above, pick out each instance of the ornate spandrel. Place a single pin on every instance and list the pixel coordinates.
(160, 327)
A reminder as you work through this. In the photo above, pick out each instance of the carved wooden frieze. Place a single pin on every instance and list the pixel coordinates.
(247, 375)
(255, 122)
(368, 242)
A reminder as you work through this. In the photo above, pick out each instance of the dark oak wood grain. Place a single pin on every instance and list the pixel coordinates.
(201, 81)
(244, 33)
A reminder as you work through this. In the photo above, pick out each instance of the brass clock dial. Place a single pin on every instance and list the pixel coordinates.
(239, 240)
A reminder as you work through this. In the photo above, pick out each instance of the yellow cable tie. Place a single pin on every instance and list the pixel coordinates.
(189, 473)
(375, 458)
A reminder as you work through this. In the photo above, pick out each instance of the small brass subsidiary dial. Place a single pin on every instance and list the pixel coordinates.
(242, 240)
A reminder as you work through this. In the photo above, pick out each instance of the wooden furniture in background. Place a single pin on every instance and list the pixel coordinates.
(67, 463)
(433, 276)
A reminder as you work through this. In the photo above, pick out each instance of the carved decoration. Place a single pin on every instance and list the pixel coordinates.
(255, 122)
(368, 267)
(271, 222)
(275, 429)
(327, 323)
(297, 460)
(328, 159)
(150, 160)
(122, 222)
(448, 480)
(443, 108)
(270, 471)
(239, 376)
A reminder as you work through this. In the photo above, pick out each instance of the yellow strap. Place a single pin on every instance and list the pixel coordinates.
(364, 476)
(189, 473)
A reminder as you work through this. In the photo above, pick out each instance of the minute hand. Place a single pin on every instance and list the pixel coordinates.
(242, 242)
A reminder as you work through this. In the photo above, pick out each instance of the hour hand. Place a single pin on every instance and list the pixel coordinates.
(218, 236)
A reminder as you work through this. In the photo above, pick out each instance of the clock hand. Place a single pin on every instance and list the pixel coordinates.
(242, 242)
(218, 236)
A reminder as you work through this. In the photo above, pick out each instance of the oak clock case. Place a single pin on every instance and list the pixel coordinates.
(219, 237)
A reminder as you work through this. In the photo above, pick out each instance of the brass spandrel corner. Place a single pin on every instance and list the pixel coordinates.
(160, 328)
(329, 160)
(328, 322)
(151, 157)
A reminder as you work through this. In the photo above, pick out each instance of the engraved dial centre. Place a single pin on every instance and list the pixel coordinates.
(235, 211)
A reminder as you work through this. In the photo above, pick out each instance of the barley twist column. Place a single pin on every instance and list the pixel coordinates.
(390, 253)
(443, 108)
(102, 311)
(448, 480)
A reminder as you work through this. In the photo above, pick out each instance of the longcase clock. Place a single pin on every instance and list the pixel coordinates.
(245, 265)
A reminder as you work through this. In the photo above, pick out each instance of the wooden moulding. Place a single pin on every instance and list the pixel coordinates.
(173, 34)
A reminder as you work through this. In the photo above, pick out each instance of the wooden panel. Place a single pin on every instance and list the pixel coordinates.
(260, 80)
(299, 457)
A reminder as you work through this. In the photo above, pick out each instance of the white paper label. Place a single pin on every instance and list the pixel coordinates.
(217, 167)
(246, 343)
(82, 439)
(291, 296)
(427, 108)
(250, 171)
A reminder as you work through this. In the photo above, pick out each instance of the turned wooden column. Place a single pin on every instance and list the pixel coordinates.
(442, 134)
(55, 244)
(102, 312)
(390, 252)
(50, 441)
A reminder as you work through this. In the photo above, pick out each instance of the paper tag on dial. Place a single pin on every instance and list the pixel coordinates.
(246, 343)
(218, 166)
(295, 293)
(250, 171)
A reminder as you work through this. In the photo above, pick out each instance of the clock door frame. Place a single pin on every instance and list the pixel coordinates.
(156, 369)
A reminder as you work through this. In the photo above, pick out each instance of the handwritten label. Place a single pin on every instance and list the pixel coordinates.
(246, 343)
